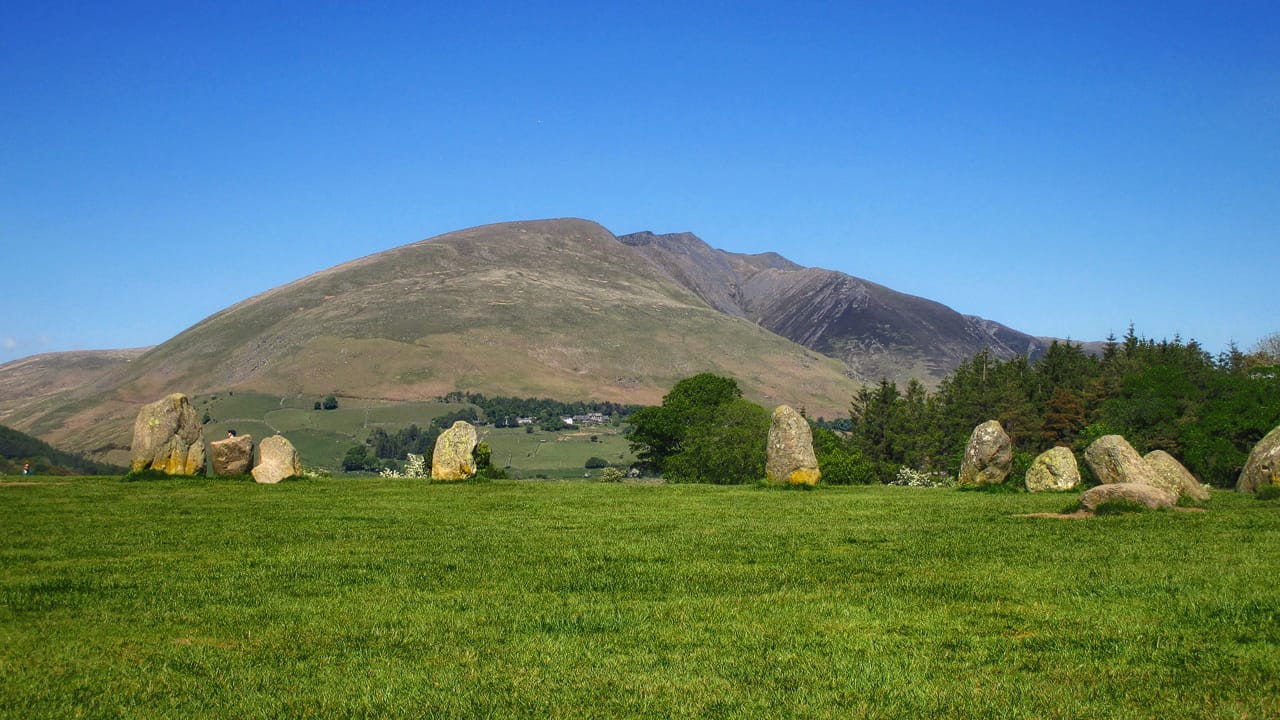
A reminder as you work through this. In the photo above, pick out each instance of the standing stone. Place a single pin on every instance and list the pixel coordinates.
(1148, 496)
(790, 457)
(1054, 469)
(1113, 460)
(277, 460)
(1174, 476)
(453, 458)
(987, 457)
(167, 436)
(1263, 465)
(232, 456)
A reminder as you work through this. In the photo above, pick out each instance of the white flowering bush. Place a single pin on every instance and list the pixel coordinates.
(415, 466)
(908, 477)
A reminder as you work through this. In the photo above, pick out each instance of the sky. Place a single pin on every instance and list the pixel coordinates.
(1065, 168)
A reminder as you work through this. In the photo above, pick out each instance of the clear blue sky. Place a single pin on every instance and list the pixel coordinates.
(1064, 168)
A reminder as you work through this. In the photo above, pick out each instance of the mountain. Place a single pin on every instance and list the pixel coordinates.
(556, 308)
(876, 331)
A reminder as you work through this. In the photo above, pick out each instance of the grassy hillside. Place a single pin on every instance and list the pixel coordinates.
(374, 598)
(557, 309)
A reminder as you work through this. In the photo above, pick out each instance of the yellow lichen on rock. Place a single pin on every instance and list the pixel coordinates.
(805, 476)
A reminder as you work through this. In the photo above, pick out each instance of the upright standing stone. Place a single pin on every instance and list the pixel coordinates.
(167, 436)
(232, 456)
(454, 457)
(1054, 469)
(1263, 465)
(790, 457)
(1174, 476)
(988, 456)
(277, 460)
(1113, 460)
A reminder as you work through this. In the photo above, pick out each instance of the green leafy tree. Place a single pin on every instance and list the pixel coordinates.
(703, 432)
(330, 403)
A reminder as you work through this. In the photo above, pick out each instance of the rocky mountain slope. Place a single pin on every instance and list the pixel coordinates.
(876, 331)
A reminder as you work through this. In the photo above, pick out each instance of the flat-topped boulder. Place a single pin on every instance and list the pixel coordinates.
(790, 458)
(988, 456)
(168, 437)
(231, 456)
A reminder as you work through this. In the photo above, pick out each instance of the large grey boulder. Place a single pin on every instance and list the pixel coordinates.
(277, 460)
(167, 436)
(1054, 469)
(790, 458)
(232, 456)
(454, 456)
(1174, 476)
(1263, 465)
(1113, 460)
(1148, 496)
(987, 457)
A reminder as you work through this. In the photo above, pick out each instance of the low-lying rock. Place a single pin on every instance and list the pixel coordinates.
(277, 460)
(1148, 496)
(1054, 469)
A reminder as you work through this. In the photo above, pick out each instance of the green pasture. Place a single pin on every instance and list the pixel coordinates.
(322, 437)
(555, 455)
(397, 598)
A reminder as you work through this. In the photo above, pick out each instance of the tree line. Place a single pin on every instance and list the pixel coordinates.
(1169, 395)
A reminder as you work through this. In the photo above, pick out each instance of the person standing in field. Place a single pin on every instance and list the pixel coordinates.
(26, 468)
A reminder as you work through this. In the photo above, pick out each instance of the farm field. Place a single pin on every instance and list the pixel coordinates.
(377, 598)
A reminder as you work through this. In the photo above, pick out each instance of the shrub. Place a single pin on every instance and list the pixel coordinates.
(594, 463)
(611, 474)
(1268, 492)
(908, 477)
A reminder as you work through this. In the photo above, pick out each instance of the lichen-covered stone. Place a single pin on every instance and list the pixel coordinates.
(1054, 469)
(1148, 496)
(232, 456)
(454, 458)
(1113, 460)
(987, 457)
(1263, 465)
(1175, 477)
(277, 460)
(167, 436)
(790, 458)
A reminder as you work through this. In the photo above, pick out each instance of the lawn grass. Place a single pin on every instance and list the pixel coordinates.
(377, 598)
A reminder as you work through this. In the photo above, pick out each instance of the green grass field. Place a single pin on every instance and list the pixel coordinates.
(379, 598)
